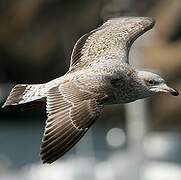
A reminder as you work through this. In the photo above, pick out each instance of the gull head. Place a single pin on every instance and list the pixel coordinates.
(152, 84)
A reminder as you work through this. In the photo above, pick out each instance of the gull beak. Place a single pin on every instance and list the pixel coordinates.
(166, 89)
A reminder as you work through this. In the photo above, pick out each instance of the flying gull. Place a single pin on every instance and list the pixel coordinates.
(99, 74)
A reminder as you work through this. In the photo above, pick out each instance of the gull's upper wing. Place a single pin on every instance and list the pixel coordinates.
(71, 112)
(114, 38)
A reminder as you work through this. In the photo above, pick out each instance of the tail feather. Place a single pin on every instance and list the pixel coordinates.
(16, 95)
(23, 93)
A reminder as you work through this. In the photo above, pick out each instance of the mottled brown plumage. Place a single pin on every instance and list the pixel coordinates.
(99, 74)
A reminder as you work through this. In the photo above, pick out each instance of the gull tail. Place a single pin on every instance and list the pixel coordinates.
(24, 93)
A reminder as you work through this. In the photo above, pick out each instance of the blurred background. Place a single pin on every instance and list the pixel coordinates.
(137, 141)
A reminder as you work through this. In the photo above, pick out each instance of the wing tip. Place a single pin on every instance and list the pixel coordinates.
(151, 21)
(44, 159)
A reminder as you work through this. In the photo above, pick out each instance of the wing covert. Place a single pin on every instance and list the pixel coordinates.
(113, 39)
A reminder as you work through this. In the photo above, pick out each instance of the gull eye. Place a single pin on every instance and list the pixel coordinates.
(151, 82)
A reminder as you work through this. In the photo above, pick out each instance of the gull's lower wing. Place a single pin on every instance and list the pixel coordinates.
(70, 114)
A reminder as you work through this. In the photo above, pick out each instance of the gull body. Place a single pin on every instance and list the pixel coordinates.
(99, 74)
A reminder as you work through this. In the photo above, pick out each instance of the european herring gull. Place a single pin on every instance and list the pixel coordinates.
(99, 74)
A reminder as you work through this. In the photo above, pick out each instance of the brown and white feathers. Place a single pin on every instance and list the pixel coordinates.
(74, 101)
